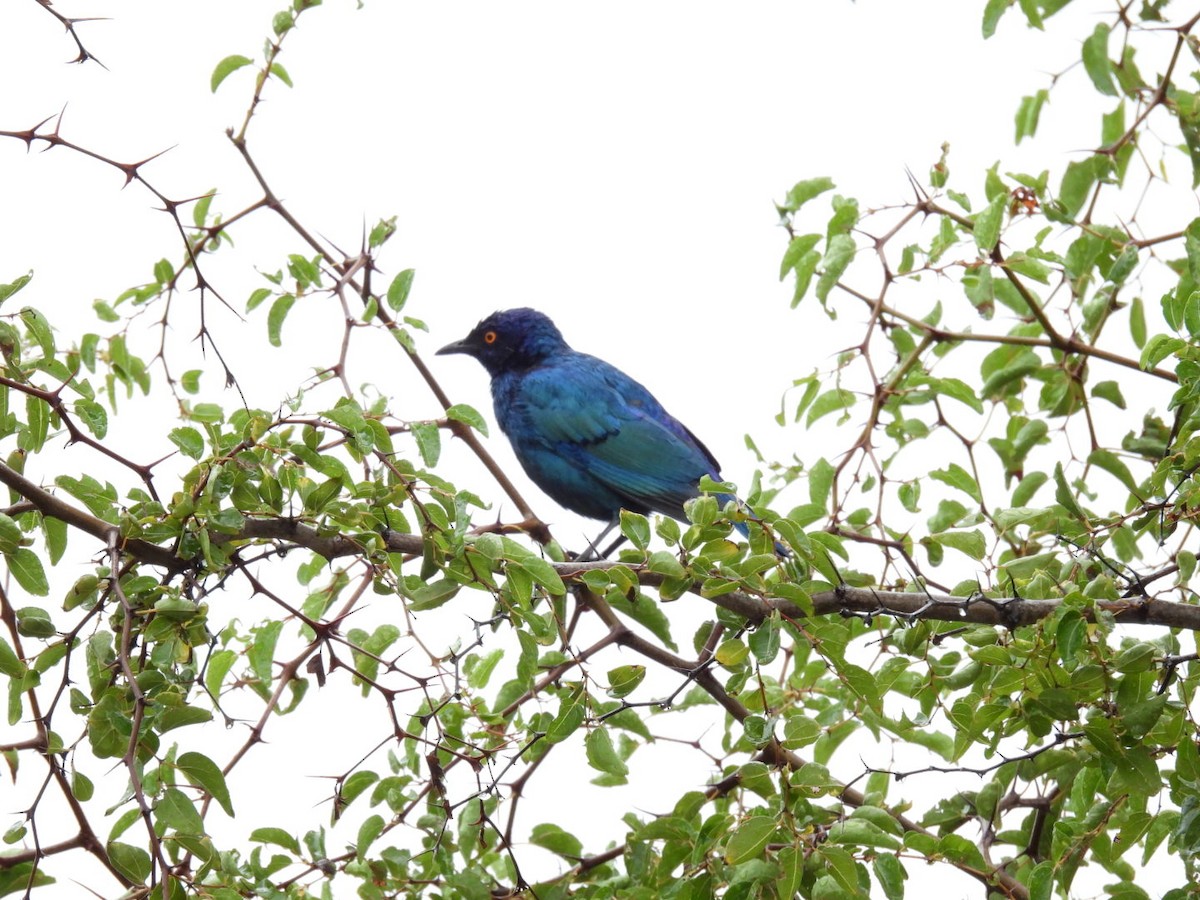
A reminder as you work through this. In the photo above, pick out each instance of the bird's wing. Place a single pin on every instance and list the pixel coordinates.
(612, 427)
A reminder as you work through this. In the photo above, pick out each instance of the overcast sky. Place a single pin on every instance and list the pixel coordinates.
(614, 167)
(611, 164)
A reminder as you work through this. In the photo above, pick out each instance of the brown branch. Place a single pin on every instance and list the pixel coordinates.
(69, 24)
(130, 757)
(460, 429)
(86, 837)
(50, 505)
(1010, 613)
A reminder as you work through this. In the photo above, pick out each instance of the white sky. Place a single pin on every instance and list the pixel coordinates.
(611, 164)
(615, 169)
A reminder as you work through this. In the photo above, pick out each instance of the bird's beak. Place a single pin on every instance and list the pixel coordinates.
(463, 346)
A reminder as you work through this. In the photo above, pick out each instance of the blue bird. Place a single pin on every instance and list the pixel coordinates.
(587, 434)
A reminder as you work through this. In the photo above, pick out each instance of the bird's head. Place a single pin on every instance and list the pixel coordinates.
(509, 340)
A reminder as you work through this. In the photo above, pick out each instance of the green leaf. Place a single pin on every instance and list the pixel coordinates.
(99, 499)
(429, 441)
(226, 67)
(991, 17)
(820, 482)
(1028, 113)
(1077, 182)
(1064, 496)
(838, 254)
(958, 477)
(732, 653)
(890, 874)
(175, 810)
(757, 729)
(26, 567)
(828, 402)
(1187, 107)
(798, 248)
(11, 535)
(371, 828)
(200, 210)
(764, 640)
(1159, 348)
(397, 292)
(219, 664)
(433, 594)
(623, 680)
(1024, 362)
(468, 415)
(644, 611)
(182, 716)
(1028, 487)
(164, 272)
(1071, 635)
(953, 388)
(1029, 266)
(479, 668)
(1040, 880)
(636, 528)
(749, 840)
(551, 837)
(104, 312)
(261, 652)
(257, 296)
(602, 755)
(189, 441)
(10, 663)
(543, 573)
(382, 232)
(664, 562)
(860, 832)
(132, 862)
(1096, 61)
(1110, 391)
(203, 772)
(1191, 244)
(7, 290)
(93, 415)
(276, 316)
(1033, 12)
(37, 411)
(82, 787)
(281, 73)
(805, 267)
(803, 191)
(1111, 463)
(988, 222)
(276, 836)
(209, 413)
(39, 330)
(109, 727)
(569, 718)
(307, 272)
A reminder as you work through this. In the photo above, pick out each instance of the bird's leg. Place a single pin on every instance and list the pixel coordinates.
(590, 552)
(613, 546)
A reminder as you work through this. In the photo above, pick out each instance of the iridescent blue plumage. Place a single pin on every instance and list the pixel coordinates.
(586, 433)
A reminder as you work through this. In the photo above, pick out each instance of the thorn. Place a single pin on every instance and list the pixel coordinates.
(131, 169)
(922, 196)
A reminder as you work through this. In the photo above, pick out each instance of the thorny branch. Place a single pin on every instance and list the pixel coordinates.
(749, 598)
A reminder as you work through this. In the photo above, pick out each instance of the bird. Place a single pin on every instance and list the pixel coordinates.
(590, 436)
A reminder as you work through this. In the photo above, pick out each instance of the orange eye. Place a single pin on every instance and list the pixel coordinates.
(489, 337)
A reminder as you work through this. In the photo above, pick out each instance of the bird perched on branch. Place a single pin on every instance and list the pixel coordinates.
(588, 435)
